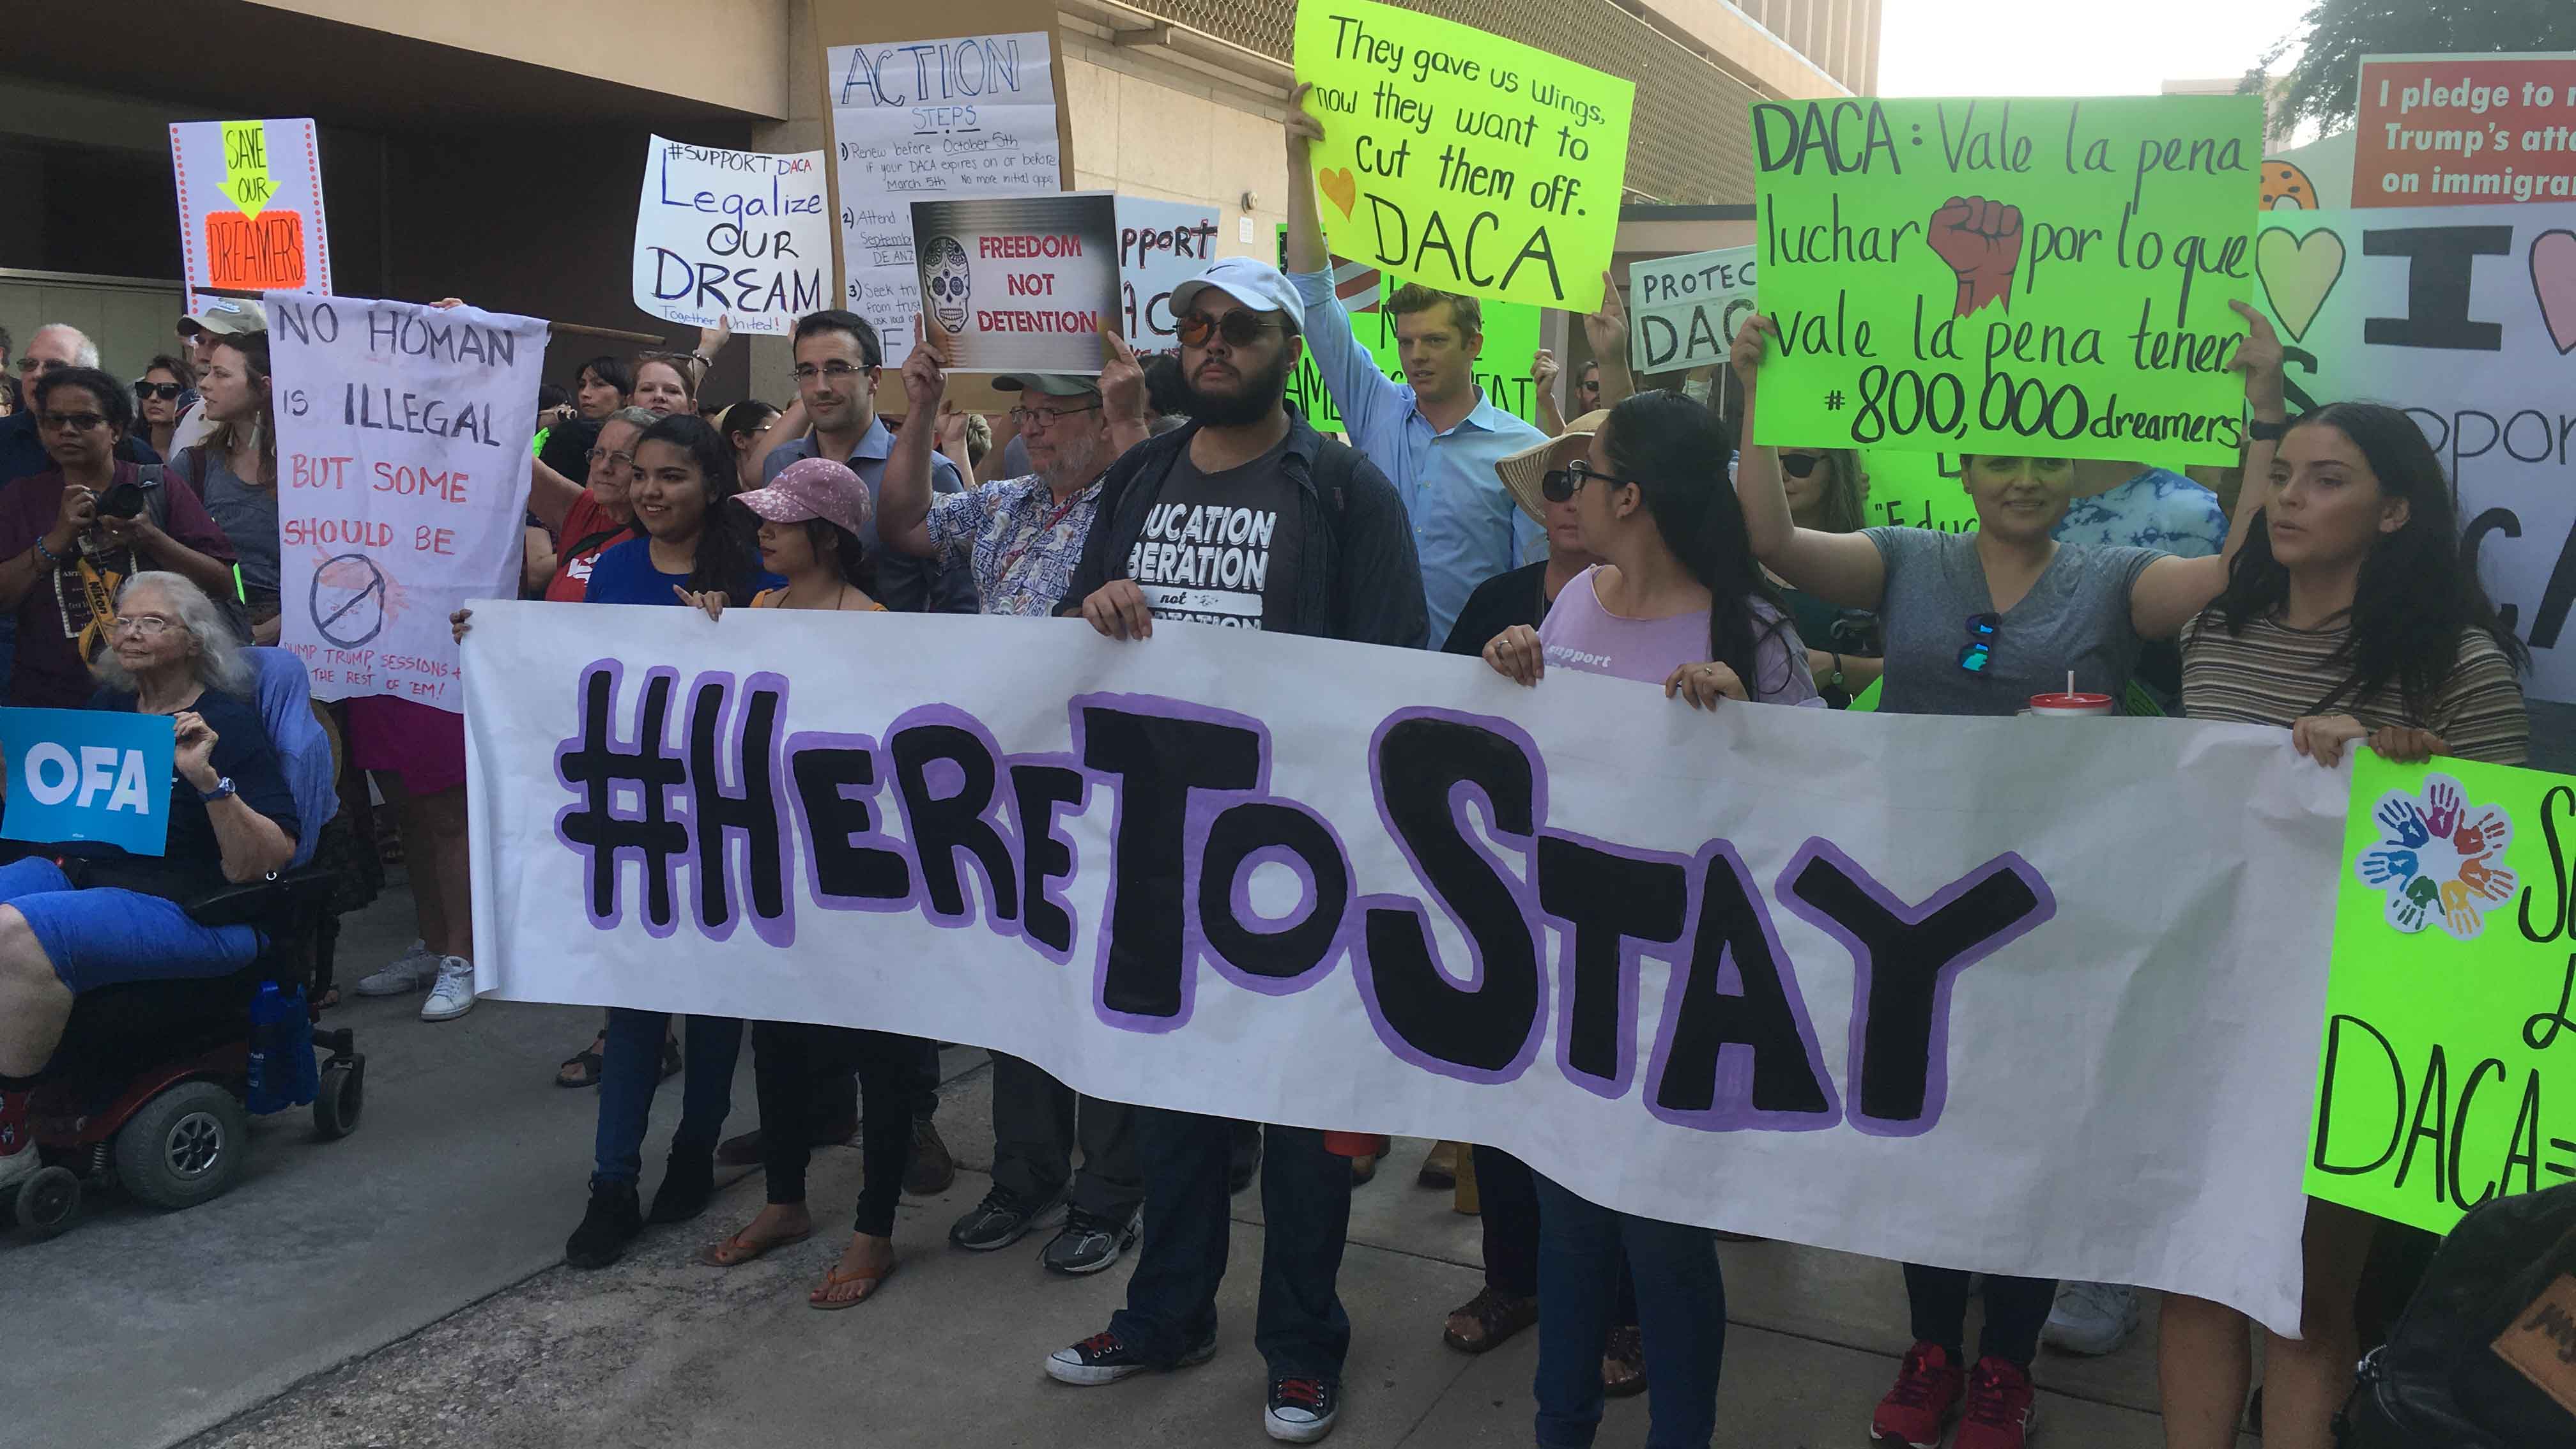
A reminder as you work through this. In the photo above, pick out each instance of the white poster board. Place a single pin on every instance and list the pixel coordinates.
(918, 119)
(1683, 311)
(1020, 283)
(250, 207)
(402, 470)
(1161, 244)
(739, 234)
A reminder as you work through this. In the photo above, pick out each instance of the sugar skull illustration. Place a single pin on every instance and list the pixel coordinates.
(944, 281)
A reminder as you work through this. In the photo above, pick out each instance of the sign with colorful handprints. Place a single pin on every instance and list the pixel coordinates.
(2454, 973)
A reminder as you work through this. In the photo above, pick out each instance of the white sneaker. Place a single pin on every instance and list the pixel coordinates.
(2091, 1318)
(453, 996)
(405, 974)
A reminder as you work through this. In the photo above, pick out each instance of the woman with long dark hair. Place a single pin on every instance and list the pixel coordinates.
(692, 544)
(2349, 616)
(235, 471)
(742, 425)
(160, 395)
(1677, 600)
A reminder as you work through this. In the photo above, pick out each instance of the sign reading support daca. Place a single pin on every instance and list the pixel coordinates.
(745, 235)
(2007, 276)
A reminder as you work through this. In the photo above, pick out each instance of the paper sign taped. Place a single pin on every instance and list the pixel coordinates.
(1683, 311)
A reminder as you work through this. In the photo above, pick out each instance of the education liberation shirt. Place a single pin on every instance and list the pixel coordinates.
(1222, 548)
(1465, 526)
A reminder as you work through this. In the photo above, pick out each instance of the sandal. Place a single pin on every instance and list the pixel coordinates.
(1498, 1316)
(581, 1069)
(1626, 1350)
(739, 1249)
(834, 1278)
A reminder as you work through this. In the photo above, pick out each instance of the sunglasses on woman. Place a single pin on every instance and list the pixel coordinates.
(1559, 484)
(165, 391)
(1239, 329)
(1799, 465)
(1979, 651)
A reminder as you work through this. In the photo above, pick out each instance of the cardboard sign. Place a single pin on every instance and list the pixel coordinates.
(1285, 879)
(972, 116)
(1465, 161)
(1020, 284)
(2465, 130)
(2042, 277)
(88, 774)
(1502, 367)
(2467, 319)
(250, 206)
(2454, 973)
(402, 461)
(1683, 311)
(738, 234)
(1161, 244)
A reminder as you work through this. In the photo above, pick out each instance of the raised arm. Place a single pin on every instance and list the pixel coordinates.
(903, 493)
(1607, 331)
(1843, 569)
(2172, 590)
(1359, 390)
(1543, 374)
(550, 495)
(790, 424)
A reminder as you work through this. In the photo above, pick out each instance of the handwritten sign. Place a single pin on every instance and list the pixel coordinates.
(1161, 244)
(738, 234)
(1502, 367)
(2465, 130)
(250, 206)
(88, 774)
(2466, 317)
(1683, 311)
(1021, 283)
(1468, 162)
(2454, 973)
(915, 119)
(402, 459)
(2022, 276)
(1915, 490)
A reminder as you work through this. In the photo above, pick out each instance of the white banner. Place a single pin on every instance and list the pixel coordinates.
(1199, 871)
(739, 234)
(1683, 311)
(402, 462)
(1161, 244)
(920, 119)
(250, 207)
(2463, 316)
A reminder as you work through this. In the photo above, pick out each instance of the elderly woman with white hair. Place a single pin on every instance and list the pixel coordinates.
(81, 915)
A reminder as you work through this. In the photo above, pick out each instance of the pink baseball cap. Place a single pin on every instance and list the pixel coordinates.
(813, 488)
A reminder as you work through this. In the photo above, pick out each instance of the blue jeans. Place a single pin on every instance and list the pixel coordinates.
(1681, 1306)
(632, 1067)
(1300, 1327)
(103, 935)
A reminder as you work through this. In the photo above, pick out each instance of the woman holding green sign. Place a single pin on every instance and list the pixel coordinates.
(1979, 624)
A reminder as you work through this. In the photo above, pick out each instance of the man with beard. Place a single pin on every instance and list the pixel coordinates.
(1245, 517)
(1022, 537)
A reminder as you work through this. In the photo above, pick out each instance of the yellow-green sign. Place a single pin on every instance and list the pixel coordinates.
(2454, 959)
(1502, 367)
(2042, 277)
(1914, 490)
(1465, 161)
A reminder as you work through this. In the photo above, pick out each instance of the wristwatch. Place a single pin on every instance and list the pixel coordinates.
(2260, 431)
(1837, 680)
(224, 790)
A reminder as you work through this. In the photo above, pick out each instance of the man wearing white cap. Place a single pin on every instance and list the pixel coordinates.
(1245, 518)
(220, 318)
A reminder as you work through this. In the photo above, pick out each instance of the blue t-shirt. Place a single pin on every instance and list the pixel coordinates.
(625, 575)
(2159, 510)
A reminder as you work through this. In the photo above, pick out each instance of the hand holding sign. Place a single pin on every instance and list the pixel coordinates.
(925, 378)
(2259, 356)
(1122, 377)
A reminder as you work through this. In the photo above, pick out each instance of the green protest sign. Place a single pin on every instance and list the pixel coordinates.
(2451, 983)
(2027, 276)
(1914, 490)
(1466, 161)
(1502, 368)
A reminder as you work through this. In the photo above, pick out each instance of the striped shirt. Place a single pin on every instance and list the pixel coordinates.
(2274, 674)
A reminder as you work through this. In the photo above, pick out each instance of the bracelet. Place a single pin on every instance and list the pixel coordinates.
(51, 558)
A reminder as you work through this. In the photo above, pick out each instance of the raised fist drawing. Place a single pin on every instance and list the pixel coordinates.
(1981, 240)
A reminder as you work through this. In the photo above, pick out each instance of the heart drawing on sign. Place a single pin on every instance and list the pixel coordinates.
(2553, 281)
(1340, 187)
(2298, 272)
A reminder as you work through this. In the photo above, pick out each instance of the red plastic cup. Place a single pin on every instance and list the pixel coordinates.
(2071, 705)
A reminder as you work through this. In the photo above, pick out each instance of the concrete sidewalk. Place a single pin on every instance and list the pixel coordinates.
(403, 1287)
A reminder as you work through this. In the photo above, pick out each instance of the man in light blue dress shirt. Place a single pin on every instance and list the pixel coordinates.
(1436, 434)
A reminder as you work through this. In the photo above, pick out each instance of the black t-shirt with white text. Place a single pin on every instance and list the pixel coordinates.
(1223, 548)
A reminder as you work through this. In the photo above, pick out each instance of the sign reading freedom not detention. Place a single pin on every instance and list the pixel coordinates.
(1465, 161)
(2007, 276)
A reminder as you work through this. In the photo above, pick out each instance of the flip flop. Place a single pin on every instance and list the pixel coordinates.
(581, 1069)
(737, 1250)
(834, 1278)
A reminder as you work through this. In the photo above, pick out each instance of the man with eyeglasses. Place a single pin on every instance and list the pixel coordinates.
(22, 451)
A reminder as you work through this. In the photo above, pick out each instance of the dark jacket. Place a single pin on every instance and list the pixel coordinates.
(1358, 576)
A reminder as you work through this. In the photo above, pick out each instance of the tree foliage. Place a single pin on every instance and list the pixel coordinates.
(2334, 35)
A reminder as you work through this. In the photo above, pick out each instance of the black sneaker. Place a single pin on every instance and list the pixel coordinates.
(1104, 1358)
(1302, 1410)
(931, 1169)
(1089, 1242)
(688, 1184)
(612, 1221)
(1001, 1219)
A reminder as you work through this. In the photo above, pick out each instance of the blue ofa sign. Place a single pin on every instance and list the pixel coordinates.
(83, 774)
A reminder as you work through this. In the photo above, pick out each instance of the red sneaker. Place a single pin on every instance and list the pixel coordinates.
(2001, 1406)
(1924, 1401)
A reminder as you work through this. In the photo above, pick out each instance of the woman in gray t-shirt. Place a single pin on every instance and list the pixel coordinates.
(1976, 624)
(234, 471)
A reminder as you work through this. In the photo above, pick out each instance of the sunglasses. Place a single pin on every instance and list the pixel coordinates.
(72, 422)
(1239, 329)
(1979, 651)
(1559, 484)
(1799, 465)
(165, 391)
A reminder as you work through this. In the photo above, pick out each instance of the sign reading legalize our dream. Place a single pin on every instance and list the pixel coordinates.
(1332, 885)
(1020, 283)
(402, 464)
(2022, 276)
(2454, 974)
(742, 235)
(2465, 130)
(250, 206)
(1468, 162)
(2465, 317)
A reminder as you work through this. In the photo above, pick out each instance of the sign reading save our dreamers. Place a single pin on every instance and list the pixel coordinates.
(1465, 161)
(2021, 276)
